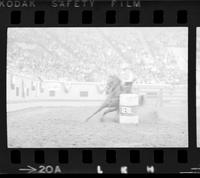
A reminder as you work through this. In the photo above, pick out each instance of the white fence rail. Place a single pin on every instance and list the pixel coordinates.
(24, 92)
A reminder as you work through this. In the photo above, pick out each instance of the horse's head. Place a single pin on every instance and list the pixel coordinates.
(112, 83)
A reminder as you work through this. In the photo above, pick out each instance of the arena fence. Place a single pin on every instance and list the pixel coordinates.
(25, 92)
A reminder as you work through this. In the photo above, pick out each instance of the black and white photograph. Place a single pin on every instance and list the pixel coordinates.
(198, 86)
(98, 87)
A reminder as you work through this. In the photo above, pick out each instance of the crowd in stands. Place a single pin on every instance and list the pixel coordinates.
(92, 55)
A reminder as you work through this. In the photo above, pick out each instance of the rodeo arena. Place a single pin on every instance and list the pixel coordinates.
(97, 87)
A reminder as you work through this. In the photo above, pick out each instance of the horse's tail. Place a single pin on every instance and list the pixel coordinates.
(97, 111)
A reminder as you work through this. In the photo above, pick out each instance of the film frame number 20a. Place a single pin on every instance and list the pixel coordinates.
(96, 86)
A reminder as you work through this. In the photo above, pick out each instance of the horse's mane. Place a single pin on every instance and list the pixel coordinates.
(114, 83)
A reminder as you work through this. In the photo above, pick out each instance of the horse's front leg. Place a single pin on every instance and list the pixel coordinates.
(109, 110)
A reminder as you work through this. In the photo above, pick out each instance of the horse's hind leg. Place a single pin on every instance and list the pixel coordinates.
(109, 110)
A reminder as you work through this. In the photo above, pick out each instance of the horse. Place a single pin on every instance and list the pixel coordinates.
(113, 90)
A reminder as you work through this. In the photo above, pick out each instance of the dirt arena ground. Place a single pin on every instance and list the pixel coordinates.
(65, 127)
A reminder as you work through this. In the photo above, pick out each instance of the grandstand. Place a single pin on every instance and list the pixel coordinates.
(57, 55)
(52, 55)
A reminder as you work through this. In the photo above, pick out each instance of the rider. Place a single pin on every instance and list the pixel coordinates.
(127, 77)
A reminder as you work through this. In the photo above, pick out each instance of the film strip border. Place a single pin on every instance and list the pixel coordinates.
(149, 160)
(104, 161)
(158, 17)
(103, 14)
